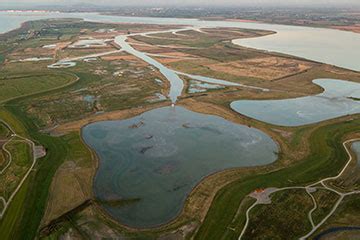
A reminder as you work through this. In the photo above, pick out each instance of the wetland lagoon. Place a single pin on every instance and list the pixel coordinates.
(150, 163)
(340, 98)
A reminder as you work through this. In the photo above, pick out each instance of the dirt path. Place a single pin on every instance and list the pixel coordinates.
(263, 197)
(32, 144)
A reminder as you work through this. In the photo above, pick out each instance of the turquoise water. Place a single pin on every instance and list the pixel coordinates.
(336, 101)
(150, 163)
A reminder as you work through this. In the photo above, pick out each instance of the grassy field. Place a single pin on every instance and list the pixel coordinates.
(20, 152)
(20, 164)
(20, 221)
(73, 178)
(9, 221)
(346, 215)
(288, 210)
(325, 200)
(104, 85)
(4, 131)
(350, 180)
(197, 39)
(3, 159)
(9, 225)
(1, 206)
(22, 85)
(4, 134)
(326, 158)
(98, 90)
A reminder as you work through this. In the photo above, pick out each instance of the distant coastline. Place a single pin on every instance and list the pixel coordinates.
(29, 11)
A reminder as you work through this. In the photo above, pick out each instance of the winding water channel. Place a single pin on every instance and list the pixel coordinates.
(176, 84)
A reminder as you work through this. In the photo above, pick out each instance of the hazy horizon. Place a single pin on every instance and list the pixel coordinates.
(174, 3)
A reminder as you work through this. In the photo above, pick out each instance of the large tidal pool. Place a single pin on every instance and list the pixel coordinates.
(150, 163)
(340, 98)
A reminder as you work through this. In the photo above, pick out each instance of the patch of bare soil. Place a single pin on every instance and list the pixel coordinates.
(241, 20)
(267, 68)
(147, 48)
(352, 28)
(118, 57)
(70, 187)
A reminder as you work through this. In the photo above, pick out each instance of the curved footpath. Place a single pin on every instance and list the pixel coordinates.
(32, 144)
(265, 197)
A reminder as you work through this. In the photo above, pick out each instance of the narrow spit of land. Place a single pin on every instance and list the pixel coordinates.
(263, 197)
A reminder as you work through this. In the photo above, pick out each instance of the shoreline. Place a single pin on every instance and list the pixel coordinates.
(182, 216)
(178, 215)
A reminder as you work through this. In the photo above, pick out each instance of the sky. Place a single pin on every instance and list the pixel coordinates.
(325, 3)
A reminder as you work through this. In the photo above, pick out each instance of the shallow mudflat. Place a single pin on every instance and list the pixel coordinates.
(148, 164)
(340, 98)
